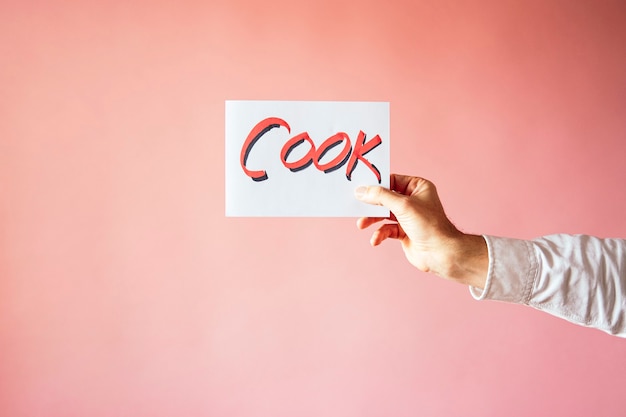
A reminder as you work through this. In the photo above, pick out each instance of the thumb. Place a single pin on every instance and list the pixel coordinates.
(379, 196)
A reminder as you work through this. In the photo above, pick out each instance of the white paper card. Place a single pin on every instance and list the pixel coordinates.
(304, 158)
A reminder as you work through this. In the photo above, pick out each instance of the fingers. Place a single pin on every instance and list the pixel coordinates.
(386, 231)
(409, 185)
(400, 186)
(399, 183)
(380, 196)
(365, 222)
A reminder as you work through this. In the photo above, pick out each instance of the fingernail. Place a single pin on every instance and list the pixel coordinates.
(360, 192)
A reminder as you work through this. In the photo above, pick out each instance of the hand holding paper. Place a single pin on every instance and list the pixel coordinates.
(429, 239)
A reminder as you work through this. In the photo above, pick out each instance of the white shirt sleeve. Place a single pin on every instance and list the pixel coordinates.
(579, 278)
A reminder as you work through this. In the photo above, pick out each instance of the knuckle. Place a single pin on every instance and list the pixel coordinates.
(404, 205)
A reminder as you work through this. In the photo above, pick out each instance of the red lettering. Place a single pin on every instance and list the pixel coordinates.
(360, 149)
(293, 143)
(255, 134)
(314, 155)
(340, 159)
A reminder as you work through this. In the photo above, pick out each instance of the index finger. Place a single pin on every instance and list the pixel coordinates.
(407, 184)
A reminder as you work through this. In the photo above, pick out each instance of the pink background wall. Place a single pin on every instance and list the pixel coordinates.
(124, 291)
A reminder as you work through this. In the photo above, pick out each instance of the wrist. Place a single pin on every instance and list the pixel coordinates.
(468, 260)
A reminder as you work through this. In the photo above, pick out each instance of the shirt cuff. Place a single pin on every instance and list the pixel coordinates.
(512, 271)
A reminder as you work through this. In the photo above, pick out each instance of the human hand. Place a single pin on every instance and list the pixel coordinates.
(429, 239)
